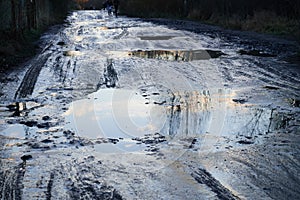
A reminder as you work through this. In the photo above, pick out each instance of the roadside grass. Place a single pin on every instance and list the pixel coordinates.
(261, 21)
(236, 16)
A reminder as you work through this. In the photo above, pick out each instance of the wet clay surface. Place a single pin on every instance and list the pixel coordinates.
(121, 108)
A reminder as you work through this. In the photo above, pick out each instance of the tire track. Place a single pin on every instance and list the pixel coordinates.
(11, 182)
(204, 177)
(27, 85)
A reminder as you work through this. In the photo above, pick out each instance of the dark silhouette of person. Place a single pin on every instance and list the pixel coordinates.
(116, 6)
(108, 5)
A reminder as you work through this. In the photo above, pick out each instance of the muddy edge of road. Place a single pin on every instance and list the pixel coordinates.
(52, 162)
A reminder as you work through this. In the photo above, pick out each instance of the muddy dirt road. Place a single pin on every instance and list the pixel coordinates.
(121, 108)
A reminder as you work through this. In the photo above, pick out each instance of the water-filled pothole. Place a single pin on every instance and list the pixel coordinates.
(156, 37)
(14, 131)
(132, 114)
(178, 55)
(18, 109)
(114, 113)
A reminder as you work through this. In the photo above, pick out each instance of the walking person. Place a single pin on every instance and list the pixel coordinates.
(116, 6)
(108, 5)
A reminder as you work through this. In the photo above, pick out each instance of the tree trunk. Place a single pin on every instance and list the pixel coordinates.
(13, 18)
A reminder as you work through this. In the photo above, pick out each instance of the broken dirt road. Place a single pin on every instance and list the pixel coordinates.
(121, 108)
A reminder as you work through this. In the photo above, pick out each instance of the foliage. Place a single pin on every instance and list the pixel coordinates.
(22, 22)
(272, 16)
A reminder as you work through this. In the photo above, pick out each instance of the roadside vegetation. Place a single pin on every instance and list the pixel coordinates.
(22, 22)
(268, 16)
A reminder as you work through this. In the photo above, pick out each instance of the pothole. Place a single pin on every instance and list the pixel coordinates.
(156, 37)
(18, 109)
(14, 131)
(131, 114)
(177, 55)
(114, 113)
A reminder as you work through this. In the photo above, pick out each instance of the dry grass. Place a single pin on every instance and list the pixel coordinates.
(234, 14)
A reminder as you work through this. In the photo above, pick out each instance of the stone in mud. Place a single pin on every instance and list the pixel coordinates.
(112, 140)
(38, 146)
(26, 157)
(46, 118)
(68, 133)
(44, 125)
(61, 43)
(245, 142)
(47, 141)
(29, 123)
(271, 87)
(160, 103)
(149, 141)
(241, 101)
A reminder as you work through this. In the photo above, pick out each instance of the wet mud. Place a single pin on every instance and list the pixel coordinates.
(124, 108)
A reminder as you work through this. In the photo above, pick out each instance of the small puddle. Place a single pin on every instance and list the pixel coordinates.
(18, 109)
(120, 147)
(14, 131)
(177, 55)
(72, 53)
(156, 37)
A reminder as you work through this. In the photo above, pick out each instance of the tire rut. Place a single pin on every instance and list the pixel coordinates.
(204, 177)
(11, 182)
(27, 85)
(50, 186)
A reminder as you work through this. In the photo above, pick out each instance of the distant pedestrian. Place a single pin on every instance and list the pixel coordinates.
(116, 6)
(108, 5)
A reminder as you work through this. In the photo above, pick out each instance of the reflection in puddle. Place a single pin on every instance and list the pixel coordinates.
(113, 113)
(14, 131)
(120, 147)
(128, 114)
(197, 112)
(72, 53)
(178, 55)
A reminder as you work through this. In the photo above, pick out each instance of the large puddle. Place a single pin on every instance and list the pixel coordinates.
(113, 113)
(129, 114)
